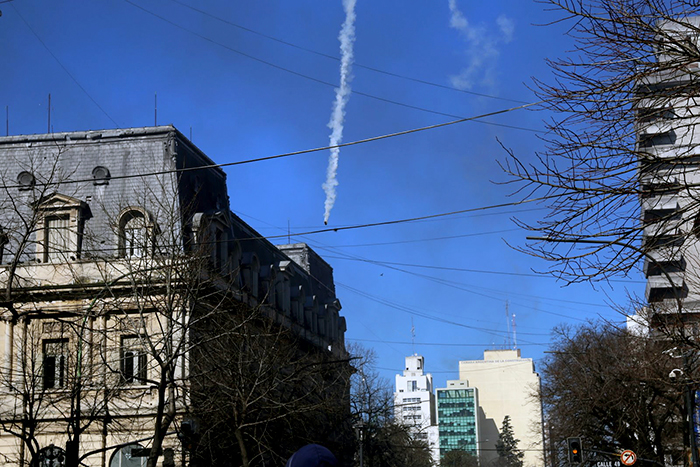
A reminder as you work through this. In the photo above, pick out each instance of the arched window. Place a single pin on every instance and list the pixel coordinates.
(135, 234)
(250, 268)
(129, 456)
(268, 278)
(234, 263)
(298, 300)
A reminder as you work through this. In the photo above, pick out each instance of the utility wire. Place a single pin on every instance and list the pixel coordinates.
(333, 57)
(412, 311)
(316, 80)
(447, 283)
(479, 271)
(63, 66)
(432, 344)
(432, 239)
(411, 219)
(287, 154)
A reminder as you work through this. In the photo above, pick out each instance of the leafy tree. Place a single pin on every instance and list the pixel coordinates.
(459, 458)
(507, 446)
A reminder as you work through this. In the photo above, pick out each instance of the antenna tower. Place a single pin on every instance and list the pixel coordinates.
(508, 342)
(413, 337)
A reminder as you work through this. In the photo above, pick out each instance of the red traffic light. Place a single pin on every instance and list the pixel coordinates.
(574, 445)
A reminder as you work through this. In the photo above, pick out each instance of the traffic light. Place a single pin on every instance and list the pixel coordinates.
(575, 454)
(188, 434)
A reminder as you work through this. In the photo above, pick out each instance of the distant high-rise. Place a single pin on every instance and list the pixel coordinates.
(415, 402)
(506, 385)
(458, 423)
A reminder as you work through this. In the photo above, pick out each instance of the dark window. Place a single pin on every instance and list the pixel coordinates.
(133, 360)
(54, 364)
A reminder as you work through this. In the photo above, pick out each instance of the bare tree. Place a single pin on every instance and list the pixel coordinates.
(258, 383)
(624, 109)
(37, 360)
(457, 458)
(612, 389)
(384, 441)
(123, 294)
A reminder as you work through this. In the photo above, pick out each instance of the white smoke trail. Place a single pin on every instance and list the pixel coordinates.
(342, 94)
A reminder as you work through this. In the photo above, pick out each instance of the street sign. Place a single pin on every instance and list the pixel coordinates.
(628, 457)
(609, 463)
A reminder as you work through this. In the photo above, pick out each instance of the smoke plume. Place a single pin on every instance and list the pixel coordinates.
(342, 94)
(483, 48)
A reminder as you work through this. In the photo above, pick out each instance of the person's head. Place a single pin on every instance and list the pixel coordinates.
(312, 455)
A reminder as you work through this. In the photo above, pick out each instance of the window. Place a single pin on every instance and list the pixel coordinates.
(59, 237)
(219, 247)
(412, 385)
(58, 245)
(4, 240)
(26, 180)
(251, 269)
(54, 364)
(100, 175)
(132, 360)
(50, 456)
(135, 234)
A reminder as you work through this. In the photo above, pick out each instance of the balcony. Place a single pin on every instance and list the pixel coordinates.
(663, 259)
(665, 286)
(666, 203)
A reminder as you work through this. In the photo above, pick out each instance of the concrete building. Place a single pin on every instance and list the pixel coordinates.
(458, 420)
(118, 254)
(667, 118)
(506, 384)
(414, 403)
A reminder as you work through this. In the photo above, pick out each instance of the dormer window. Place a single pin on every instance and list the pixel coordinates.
(250, 269)
(60, 233)
(136, 233)
(211, 234)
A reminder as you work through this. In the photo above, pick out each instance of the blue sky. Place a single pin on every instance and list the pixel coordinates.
(255, 79)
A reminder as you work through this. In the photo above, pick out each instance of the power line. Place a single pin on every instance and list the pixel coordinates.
(438, 344)
(425, 315)
(421, 240)
(63, 66)
(478, 271)
(283, 155)
(452, 284)
(316, 80)
(411, 219)
(333, 57)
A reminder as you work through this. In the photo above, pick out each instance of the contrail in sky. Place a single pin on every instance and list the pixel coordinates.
(342, 94)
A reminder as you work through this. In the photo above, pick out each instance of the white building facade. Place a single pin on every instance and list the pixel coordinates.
(507, 384)
(415, 403)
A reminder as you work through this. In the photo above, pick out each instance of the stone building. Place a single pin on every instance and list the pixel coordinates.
(120, 261)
